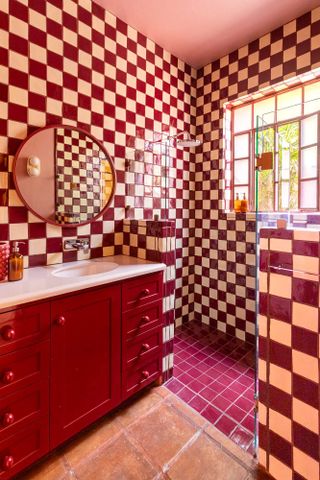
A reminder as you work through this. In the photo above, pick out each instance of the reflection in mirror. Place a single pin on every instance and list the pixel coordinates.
(64, 175)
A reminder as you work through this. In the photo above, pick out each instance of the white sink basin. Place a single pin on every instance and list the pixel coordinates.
(85, 269)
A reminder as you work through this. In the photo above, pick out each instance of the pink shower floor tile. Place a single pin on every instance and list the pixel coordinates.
(214, 374)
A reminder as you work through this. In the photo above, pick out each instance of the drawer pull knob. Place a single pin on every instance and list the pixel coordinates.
(8, 419)
(145, 374)
(145, 347)
(8, 333)
(145, 292)
(8, 377)
(145, 319)
(61, 321)
(7, 462)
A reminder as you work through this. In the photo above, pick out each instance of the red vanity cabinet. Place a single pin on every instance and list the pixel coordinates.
(85, 360)
(24, 387)
(69, 360)
(142, 332)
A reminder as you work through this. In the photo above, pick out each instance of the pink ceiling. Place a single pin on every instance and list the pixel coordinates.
(199, 31)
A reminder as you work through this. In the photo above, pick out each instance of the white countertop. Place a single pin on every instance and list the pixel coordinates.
(40, 282)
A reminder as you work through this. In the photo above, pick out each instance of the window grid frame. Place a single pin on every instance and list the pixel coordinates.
(252, 154)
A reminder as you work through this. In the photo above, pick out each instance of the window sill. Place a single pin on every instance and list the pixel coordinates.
(232, 215)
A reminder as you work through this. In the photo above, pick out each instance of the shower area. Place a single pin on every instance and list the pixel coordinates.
(212, 293)
(274, 144)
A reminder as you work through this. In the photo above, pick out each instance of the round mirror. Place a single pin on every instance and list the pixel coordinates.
(64, 175)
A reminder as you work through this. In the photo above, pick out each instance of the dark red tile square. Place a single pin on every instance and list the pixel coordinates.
(211, 413)
(226, 425)
(236, 413)
(241, 437)
(208, 394)
(185, 394)
(198, 403)
(196, 386)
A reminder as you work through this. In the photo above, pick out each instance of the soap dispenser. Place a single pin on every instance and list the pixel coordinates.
(244, 203)
(15, 263)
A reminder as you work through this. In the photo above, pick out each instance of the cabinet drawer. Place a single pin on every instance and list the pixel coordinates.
(143, 346)
(24, 367)
(141, 290)
(19, 408)
(142, 319)
(24, 326)
(23, 448)
(137, 377)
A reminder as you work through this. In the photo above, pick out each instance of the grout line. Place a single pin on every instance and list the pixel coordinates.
(229, 453)
(188, 444)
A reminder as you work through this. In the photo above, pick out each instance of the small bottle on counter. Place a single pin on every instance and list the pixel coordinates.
(244, 204)
(15, 263)
(237, 203)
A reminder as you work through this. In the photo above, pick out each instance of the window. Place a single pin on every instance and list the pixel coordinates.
(286, 124)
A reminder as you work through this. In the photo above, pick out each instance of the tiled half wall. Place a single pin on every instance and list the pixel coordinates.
(289, 359)
(155, 241)
(72, 62)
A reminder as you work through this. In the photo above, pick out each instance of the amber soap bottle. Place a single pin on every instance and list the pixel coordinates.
(244, 204)
(237, 203)
(15, 264)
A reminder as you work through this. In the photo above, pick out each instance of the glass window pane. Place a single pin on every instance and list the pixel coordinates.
(265, 191)
(241, 191)
(288, 165)
(309, 162)
(284, 195)
(309, 194)
(242, 119)
(265, 110)
(309, 130)
(289, 104)
(312, 98)
(241, 172)
(241, 146)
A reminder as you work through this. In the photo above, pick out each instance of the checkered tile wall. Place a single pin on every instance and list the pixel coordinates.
(72, 62)
(155, 241)
(80, 177)
(225, 243)
(289, 360)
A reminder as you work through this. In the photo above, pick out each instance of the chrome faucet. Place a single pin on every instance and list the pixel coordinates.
(77, 244)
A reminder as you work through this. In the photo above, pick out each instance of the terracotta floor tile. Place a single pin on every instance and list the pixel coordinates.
(162, 433)
(91, 440)
(120, 460)
(206, 461)
(139, 407)
(229, 446)
(185, 410)
(52, 468)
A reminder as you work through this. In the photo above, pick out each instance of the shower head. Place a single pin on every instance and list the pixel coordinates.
(186, 141)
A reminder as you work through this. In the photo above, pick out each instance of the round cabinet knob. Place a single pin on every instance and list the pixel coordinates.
(145, 374)
(7, 419)
(61, 321)
(7, 462)
(145, 347)
(8, 377)
(145, 319)
(145, 292)
(8, 333)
